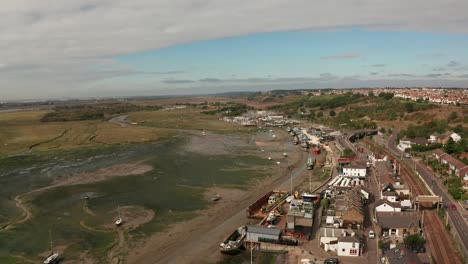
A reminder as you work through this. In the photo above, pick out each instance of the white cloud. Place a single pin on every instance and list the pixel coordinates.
(54, 41)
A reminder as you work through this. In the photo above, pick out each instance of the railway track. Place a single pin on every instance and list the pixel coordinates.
(405, 172)
(440, 244)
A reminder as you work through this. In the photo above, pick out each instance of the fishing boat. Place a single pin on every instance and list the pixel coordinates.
(235, 242)
(119, 220)
(215, 197)
(310, 163)
(53, 257)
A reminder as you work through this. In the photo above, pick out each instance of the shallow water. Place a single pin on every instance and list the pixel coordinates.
(173, 190)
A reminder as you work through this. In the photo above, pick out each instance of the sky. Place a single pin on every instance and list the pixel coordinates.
(81, 49)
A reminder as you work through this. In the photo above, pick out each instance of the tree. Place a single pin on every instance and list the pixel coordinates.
(453, 116)
(324, 203)
(319, 114)
(414, 240)
(409, 107)
(382, 130)
(332, 113)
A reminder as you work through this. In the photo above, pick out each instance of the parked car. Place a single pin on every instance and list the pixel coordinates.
(453, 207)
(420, 249)
(371, 234)
(331, 261)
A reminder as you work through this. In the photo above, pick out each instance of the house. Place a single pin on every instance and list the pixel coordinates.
(349, 207)
(329, 238)
(348, 246)
(454, 165)
(455, 137)
(400, 255)
(404, 144)
(375, 157)
(443, 139)
(465, 183)
(387, 206)
(419, 141)
(397, 224)
(355, 170)
(389, 193)
(263, 234)
(438, 154)
(434, 138)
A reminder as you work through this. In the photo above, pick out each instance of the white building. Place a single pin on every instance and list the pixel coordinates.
(455, 137)
(404, 144)
(348, 246)
(355, 170)
(387, 206)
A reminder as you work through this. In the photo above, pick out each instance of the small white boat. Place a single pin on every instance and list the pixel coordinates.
(215, 197)
(269, 158)
(51, 259)
(119, 220)
(285, 154)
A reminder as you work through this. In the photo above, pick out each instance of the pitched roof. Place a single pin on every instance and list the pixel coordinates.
(439, 152)
(398, 219)
(401, 255)
(385, 201)
(419, 140)
(352, 239)
(454, 162)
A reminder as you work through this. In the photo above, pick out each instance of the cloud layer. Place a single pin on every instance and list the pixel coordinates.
(48, 46)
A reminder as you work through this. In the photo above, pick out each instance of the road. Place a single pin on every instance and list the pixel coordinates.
(431, 178)
(121, 120)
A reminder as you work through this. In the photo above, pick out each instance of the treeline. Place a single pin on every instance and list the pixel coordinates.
(230, 109)
(93, 112)
(327, 101)
(426, 129)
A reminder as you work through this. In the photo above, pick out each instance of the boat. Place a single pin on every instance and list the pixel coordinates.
(271, 217)
(215, 197)
(119, 220)
(53, 257)
(203, 132)
(234, 244)
(310, 163)
(285, 154)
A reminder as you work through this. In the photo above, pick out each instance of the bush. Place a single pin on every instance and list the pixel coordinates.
(414, 240)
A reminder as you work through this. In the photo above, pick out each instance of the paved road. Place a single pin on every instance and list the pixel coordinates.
(431, 178)
(121, 120)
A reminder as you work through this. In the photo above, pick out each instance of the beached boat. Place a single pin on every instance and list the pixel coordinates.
(53, 257)
(234, 244)
(215, 197)
(119, 220)
(203, 132)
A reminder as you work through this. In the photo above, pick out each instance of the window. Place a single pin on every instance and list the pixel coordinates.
(353, 251)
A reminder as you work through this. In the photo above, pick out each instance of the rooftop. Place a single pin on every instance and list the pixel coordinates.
(398, 219)
(264, 230)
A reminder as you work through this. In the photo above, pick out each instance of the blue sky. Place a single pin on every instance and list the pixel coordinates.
(354, 53)
(95, 48)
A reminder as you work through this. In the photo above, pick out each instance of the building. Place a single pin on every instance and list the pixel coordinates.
(387, 206)
(348, 246)
(389, 193)
(263, 234)
(396, 225)
(349, 206)
(455, 166)
(434, 138)
(438, 154)
(455, 137)
(400, 255)
(404, 144)
(329, 238)
(355, 170)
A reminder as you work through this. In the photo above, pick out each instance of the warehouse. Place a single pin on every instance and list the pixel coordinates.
(263, 234)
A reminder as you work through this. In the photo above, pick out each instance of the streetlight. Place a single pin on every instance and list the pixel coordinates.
(251, 252)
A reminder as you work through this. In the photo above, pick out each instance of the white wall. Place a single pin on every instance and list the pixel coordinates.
(352, 172)
(345, 247)
(386, 208)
